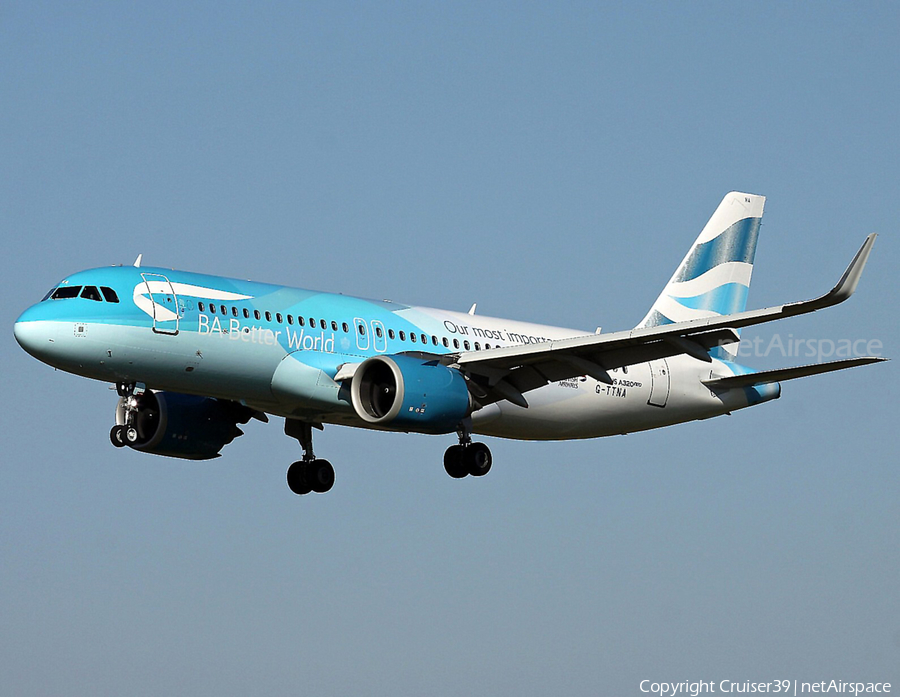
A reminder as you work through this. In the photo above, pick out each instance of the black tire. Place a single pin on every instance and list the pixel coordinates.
(320, 475)
(296, 479)
(453, 462)
(117, 437)
(477, 459)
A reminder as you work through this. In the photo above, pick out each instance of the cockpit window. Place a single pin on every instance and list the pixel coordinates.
(49, 293)
(91, 293)
(65, 292)
(109, 294)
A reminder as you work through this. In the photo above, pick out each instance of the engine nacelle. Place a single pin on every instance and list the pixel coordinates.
(410, 394)
(185, 426)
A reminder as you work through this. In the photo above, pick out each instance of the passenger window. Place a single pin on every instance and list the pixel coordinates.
(466, 345)
(212, 308)
(91, 293)
(378, 332)
(334, 326)
(434, 340)
(109, 294)
(200, 306)
(278, 317)
(224, 309)
(234, 310)
(345, 327)
(402, 335)
(312, 322)
(256, 314)
(246, 313)
(66, 292)
(477, 346)
(456, 343)
(290, 319)
(446, 342)
(424, 339)
(487, 346)
(391, 334)
(362, 329)
(268, 316)
(412, 337)
(301, 321)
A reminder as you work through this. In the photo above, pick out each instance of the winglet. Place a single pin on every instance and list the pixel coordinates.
(846, 286)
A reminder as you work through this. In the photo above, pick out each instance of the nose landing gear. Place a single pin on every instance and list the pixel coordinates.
(127, 433)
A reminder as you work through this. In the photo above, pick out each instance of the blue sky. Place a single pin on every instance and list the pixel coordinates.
(552, 162)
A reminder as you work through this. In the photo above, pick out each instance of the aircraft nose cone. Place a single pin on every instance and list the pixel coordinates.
(31, 336)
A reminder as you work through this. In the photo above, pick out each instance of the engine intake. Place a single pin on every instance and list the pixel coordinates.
(410, 394)
(185, 426)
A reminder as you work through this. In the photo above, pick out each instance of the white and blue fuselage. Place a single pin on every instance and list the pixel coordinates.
(193, 355)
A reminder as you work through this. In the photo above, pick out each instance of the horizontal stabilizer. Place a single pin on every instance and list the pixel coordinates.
(782, 374)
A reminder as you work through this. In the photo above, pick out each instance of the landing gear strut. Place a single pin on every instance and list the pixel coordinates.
(467, 457)
(127, 433)
(310, 473)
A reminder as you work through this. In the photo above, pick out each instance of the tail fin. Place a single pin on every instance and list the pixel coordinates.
(714, 277)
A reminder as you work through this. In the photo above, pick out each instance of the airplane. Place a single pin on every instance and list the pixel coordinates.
(195, 356)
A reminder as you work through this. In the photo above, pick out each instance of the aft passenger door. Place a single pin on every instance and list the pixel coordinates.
(659, 383)
(164, 303)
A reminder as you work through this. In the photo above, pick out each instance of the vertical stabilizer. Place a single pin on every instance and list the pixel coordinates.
(714, 277)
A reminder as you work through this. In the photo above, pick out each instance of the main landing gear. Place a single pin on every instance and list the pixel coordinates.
(467, 457)
(127, 433)
(310, 473)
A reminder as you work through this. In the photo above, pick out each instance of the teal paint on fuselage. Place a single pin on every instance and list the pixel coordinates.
(158, 335)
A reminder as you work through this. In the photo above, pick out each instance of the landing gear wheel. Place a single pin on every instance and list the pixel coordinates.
(320, 475)
(117, 436)
(296, 478)
(453, 462)
(131, 435)
(477, 459)
(310, 473)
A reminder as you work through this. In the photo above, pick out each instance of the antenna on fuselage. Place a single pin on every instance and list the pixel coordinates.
(137, 262)
(472, 309)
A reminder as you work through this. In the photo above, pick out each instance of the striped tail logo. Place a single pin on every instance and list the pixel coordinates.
(714, 277)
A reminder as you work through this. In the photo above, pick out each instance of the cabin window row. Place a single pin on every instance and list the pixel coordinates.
(269, 316)
(324, 324)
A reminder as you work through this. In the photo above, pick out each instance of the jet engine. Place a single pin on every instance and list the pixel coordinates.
(410, 394)
(180, 425)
